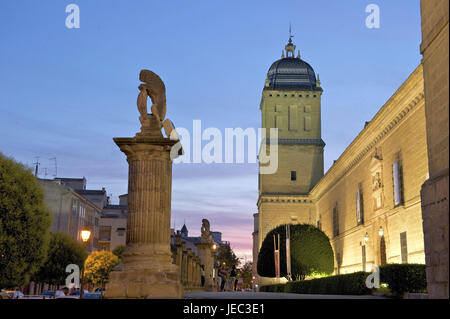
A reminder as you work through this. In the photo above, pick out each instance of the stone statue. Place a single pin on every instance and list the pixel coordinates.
(376, 181)
(205, 230)
(154, 88)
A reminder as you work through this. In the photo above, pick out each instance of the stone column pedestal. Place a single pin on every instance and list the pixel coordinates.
(207, 260)
(147, 270)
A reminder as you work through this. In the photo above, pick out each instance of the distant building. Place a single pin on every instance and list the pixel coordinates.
(191, 241)
(113, 227)
(71, 211)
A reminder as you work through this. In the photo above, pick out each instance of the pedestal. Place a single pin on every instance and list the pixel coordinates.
(207, 260)
(147, 270)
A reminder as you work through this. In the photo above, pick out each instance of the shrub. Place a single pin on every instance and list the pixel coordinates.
(311, 252)
(403, 278)
(348, 284)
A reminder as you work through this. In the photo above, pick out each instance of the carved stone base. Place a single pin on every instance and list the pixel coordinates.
(145, 276)
(150, 127)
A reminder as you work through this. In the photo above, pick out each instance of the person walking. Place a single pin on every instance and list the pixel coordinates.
(232, 277)
(203, 275)
(222, 287)
(219, 279)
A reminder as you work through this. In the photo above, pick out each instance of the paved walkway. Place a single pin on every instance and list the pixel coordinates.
(266, 295)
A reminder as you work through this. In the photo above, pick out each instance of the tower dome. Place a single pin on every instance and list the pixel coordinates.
(291, 73)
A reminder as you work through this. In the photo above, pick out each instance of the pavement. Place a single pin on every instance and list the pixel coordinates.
(267, 295)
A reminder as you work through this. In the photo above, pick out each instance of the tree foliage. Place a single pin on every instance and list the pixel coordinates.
(226, 255)
(63, 251)
(24, 224)
(98, 265)
(246, 275)
(311, 252)
(118, 251)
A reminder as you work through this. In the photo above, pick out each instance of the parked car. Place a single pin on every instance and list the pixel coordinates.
(14, 294)
(76, 292)
(4, 294)
(51, 294)
(92, 295)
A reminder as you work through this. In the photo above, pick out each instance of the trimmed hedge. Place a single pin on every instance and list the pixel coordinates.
(400, 278)
(403, 278)
(348, 284)
(311, 252)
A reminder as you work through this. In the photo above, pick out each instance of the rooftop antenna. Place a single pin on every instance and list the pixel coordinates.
(45, 172)
(36, 171)
(56, 167)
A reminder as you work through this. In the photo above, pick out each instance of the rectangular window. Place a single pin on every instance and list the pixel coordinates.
(292, 117)
(359, 207)
(307, 123)
(293, 175)
(397, 179)
(404, 248)
(335, 222)
(74, 208)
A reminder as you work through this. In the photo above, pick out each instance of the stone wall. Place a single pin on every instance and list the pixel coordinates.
(396, 133)
(435, 210)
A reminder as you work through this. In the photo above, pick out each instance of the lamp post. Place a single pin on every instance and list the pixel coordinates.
(85, 235)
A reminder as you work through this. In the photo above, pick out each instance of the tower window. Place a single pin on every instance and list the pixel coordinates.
(293, 95)
(315, 95)
(285, 95)
(398, 183)
(270, 94)
(278, 94)
(299, 95)
(293, 175)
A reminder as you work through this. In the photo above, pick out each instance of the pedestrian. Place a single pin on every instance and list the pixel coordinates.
(222, 286)
(232, 277)
(219, 279)
(203, 276)
(236, 280)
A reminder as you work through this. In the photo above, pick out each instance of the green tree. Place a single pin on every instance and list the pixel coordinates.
(118, 251)
(98, 265)
(311, 252)
(226, 255)
(24, 224)
(63, 251)
(246, 274)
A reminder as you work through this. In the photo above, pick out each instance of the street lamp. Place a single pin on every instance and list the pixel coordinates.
(214, 246)
(85, 235)
(380, 231)
(366, 237)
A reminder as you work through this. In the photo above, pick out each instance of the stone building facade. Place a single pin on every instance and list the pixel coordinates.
(71, 211)
(368, 202)
(435, 210)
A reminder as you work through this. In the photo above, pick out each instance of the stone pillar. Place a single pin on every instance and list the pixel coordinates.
(147, 270)
(207, 260)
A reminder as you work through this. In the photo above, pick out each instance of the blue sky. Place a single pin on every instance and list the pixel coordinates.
(66, 92)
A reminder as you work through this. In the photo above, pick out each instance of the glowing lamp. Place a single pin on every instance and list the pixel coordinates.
(85, 234)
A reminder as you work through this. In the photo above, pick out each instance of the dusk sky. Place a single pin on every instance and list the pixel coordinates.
(66, 93)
